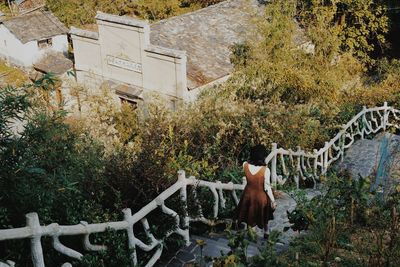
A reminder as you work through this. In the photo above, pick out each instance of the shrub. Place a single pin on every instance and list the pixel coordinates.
(79, 13)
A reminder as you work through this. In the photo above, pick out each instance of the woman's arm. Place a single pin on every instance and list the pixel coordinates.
(267, 185)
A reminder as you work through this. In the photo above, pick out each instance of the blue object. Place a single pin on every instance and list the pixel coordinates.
(382, 172)
(18, 2)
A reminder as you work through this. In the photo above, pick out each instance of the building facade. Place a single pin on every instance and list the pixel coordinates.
(120, 53)
(176, 57)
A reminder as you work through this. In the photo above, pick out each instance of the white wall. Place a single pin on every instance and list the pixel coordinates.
(87, 55)
(152, 68)
(124, 42)
(60, 44)
(15, 52)
(162, 74)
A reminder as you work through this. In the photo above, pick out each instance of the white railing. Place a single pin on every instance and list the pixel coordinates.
(283, 164)
(34, 231)
(301, 164)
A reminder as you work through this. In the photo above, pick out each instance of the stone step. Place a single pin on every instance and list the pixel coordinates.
(217, 244)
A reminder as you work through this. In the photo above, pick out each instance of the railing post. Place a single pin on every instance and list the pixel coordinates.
(385, 116)
(183, 195)
(326, 157)
(362, 123)
(315, 166)
(273, 164)
(32, 220)
(343, 139)
(131, 236)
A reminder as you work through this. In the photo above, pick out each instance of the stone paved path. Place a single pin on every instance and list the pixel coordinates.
(217, 243)
(361, 159)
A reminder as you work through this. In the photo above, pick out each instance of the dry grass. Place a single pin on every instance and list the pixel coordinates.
(4, 8)
(11, 75)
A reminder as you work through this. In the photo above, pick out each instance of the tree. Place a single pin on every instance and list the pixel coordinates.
(82, 12)
(363, 24)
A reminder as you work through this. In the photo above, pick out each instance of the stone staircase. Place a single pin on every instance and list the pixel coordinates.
(217, 244)
(361, 160)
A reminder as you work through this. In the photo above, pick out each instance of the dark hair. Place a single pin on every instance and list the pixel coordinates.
(258, 154)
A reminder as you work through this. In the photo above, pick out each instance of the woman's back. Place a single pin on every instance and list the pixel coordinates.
(254, 207)
(254, 181)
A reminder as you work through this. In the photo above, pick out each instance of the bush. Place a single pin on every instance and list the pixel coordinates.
(79, 13)
(118, 253)
(346, 226)
(348, 223)
(116, 158)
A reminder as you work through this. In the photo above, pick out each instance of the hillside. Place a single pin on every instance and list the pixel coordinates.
(11, 76)
(82, 12)
(70, 170)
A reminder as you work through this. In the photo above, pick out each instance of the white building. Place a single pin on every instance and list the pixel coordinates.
(25, 39)
(176, 57)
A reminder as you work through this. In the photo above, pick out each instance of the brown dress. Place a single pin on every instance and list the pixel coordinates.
(254, 206)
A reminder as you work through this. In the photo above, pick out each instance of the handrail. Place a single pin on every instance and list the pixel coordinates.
(34, 231)
(314, 164)
(303, 164)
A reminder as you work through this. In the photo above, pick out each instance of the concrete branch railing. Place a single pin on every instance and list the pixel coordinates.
(283, 164)
(35, 231)
(300, 164)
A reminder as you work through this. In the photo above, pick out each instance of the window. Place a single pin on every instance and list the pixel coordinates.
(45, 43)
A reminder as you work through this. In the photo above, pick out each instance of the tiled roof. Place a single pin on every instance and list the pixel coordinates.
(84, 33)
(53, 62)
(35, 26)
(207, 35)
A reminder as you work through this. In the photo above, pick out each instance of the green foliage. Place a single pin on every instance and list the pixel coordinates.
(202, 3)
(82, 12)
(347, 224)
(302, 95)
(35, 158)
(384, 68)
(346, 227)
(298, 218)
(269, 255)
(117, 254)
(12, 105)
(69, 169)
(45, 166)
(240, 54)
(361, 25)
(238, 243)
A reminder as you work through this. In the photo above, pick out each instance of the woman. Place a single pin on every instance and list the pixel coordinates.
(256, 206)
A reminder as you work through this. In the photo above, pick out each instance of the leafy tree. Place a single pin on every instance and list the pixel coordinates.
(82, 12)
(363, 24)
(44, 165)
